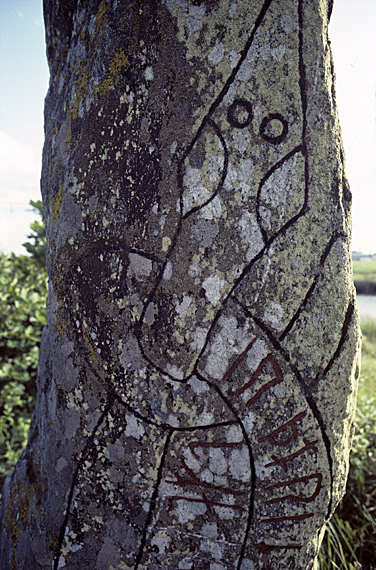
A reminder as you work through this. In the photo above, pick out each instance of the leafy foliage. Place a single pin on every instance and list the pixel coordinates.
(37, 248)
(23, 292)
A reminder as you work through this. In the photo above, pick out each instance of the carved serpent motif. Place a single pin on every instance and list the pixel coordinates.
(252, 457)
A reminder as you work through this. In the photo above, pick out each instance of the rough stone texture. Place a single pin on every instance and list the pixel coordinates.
(198, 373)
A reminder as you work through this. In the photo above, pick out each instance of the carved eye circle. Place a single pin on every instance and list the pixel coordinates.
(240, 113)
(273, 128)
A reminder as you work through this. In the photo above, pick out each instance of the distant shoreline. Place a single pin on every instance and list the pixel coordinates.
(365, 287)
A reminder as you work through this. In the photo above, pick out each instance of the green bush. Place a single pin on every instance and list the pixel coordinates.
(23, 292)
(37, 247)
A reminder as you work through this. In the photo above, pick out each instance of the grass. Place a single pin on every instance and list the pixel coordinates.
(367, 381)
(364, 271)
(350, 538)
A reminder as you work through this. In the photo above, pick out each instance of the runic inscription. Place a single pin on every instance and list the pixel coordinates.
(214, 342)
(202, 320)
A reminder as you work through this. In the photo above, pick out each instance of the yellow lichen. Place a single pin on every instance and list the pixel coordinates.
(119, 61)
(100, 18)
(23, 507)
(55, 204)
(166, 242)
(85, 333)
(82, 88)
(61, 323)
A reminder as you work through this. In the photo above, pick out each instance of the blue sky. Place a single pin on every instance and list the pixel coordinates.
(24, 83)
(23, 86)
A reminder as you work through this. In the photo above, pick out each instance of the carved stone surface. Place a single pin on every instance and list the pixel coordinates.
(197, 378)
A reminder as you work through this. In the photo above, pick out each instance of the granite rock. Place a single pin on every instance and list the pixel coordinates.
(197, 378)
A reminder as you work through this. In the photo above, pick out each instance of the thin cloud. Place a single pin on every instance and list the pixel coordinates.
(20, 167)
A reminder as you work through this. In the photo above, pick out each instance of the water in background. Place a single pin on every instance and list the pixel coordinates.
(366, 306)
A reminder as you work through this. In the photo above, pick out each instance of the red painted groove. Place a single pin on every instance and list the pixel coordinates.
(262, 390)
(276, 380)
(206, 501)
(193, 444)
(290, 424)
(241, 356)
(282, 462)
(293, 518)
(309, 499)
(196, 481)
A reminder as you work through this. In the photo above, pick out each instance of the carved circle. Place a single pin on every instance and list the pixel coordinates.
(273, 128)
(240, 113)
